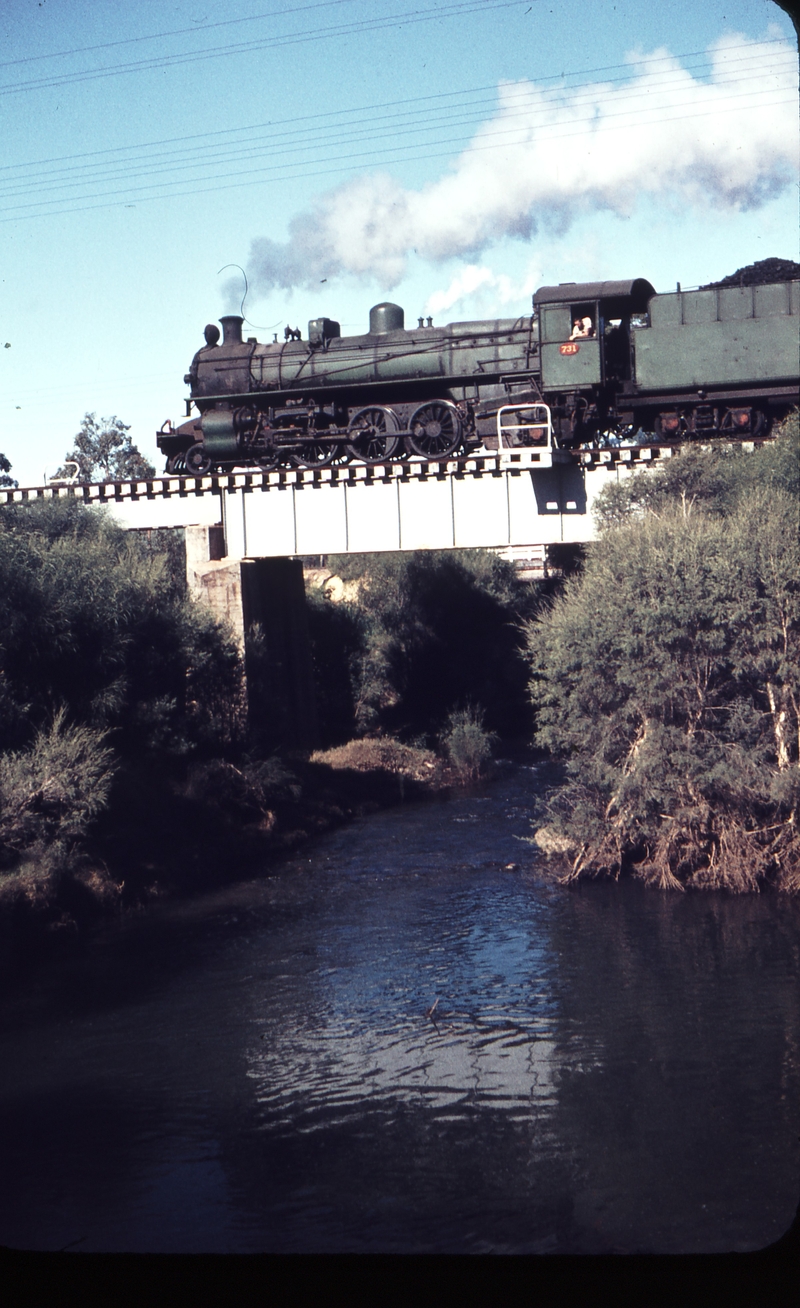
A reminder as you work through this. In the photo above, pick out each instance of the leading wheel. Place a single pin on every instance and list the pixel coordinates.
(435, 430)
(198, 462)
(372, 435)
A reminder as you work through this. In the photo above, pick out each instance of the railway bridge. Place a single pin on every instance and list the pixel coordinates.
(247, 531)
(508, 501)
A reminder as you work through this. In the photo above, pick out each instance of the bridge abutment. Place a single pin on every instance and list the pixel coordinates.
(263, 603)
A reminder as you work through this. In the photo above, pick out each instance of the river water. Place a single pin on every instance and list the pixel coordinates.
(605, 1069)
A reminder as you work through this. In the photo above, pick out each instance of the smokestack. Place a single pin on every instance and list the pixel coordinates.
(232, 329)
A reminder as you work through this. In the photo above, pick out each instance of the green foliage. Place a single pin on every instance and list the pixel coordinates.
(338, 638)
(427, 632)
(5, 468)
(248, 791)
(169, 545)
(668, 678)
(716, 478)
(52, 791)
(104, 451)
(90, 620)
(467, 743)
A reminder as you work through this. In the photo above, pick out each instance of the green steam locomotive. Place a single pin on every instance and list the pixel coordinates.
(607, 362)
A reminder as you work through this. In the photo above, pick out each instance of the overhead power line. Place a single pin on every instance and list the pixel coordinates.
(775, 56)
(355, 28)
(175, 31)
(275, 175)
(415, 123)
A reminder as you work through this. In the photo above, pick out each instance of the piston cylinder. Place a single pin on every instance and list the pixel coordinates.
(221, 429)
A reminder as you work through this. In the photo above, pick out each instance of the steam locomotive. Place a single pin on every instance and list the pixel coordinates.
(720, 361)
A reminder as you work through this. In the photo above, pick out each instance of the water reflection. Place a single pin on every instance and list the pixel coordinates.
(258, 1070)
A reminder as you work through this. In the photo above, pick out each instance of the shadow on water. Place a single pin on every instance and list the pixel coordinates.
(410, 1041)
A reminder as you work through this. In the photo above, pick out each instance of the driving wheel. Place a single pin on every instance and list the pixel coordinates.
(372, 435)
(435, 430)
(315, 454)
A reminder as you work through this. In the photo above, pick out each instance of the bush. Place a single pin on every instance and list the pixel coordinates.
(51, 792)
(467, 743)
(382, 754)
(91, 619)
(668, 679)
(428, 632)
(249, 791)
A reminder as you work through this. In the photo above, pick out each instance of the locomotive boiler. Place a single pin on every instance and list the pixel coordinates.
(607, 361)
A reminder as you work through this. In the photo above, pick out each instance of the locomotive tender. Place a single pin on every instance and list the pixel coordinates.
(721, 361)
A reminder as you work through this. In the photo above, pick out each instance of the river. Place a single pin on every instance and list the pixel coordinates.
(258, 1070)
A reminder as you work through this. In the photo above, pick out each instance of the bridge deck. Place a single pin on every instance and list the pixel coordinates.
(254, 479)
(490, 500)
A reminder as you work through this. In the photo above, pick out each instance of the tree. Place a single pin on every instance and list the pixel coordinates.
(104, 452)
(5, 468)
(715, 477)
(91, 620)
(432, 633)
(667, 677)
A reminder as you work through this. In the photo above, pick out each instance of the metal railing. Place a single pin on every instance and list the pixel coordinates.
(524, 435)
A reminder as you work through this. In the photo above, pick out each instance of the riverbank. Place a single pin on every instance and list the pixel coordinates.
(165, 835)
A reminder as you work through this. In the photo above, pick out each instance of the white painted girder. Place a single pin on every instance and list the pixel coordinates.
(399, 513)
(463, 504)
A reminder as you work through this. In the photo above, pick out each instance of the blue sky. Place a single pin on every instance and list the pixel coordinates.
(447, 154)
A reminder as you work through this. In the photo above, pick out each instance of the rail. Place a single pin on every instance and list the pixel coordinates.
(254, 479)
(505, 460)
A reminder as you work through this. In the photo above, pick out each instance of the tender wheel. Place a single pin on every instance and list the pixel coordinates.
(372, 435)
(761, 424)
(315, 454)
(668, 427)
(744, 423)
(198, 463)
(435, 430)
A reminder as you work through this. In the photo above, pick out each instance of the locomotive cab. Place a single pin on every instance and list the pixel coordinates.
(586, 357)
(573, 361)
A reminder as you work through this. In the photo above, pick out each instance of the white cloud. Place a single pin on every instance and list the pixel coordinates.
(729, 142)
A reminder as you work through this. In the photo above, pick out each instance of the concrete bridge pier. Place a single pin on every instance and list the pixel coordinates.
(263, 602)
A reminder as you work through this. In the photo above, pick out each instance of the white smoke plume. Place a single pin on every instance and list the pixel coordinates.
(728, 140)
(474, 278)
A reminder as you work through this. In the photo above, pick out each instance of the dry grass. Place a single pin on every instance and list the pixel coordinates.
(552, 842)
(383, 754)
